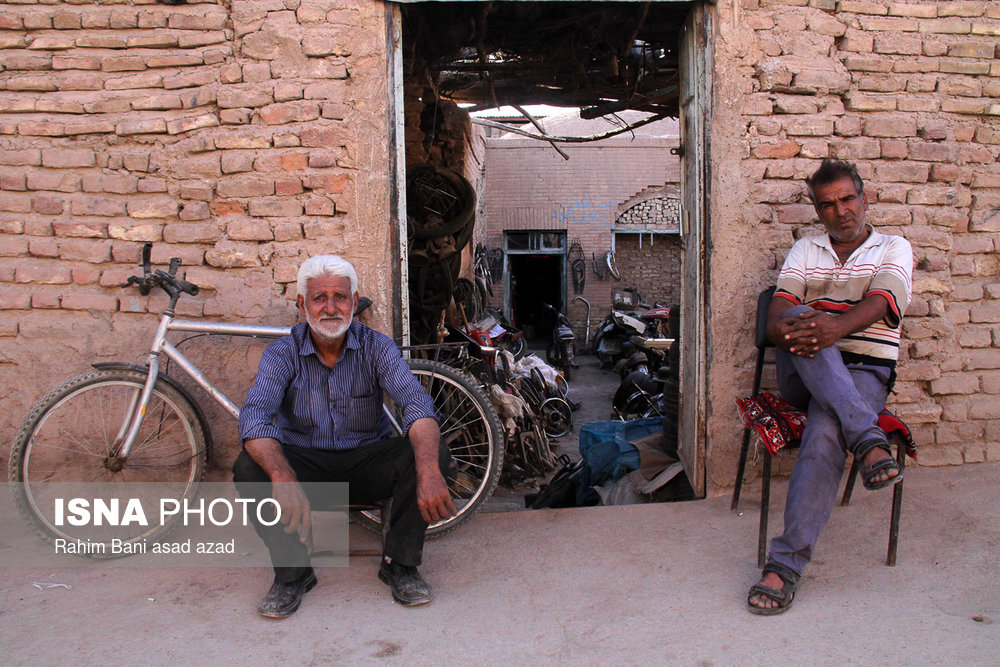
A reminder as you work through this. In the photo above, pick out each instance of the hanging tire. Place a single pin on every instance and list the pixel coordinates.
(671, 399)
(670, 436)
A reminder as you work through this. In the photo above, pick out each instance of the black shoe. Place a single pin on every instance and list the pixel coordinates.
(283, 599)
(408, 587)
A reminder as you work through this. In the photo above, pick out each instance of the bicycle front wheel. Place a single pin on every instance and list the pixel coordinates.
(72, 439)
(471, 429)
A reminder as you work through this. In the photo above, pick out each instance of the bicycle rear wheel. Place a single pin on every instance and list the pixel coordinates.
(71, 438)
(471, 429)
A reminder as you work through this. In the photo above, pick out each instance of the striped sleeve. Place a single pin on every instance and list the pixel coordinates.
(399, 383)
(792, 280)
(274, 375)
(894, 279)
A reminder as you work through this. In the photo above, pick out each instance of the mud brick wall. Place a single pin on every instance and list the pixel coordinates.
(529, 186)
(909, 92)
(240, 136)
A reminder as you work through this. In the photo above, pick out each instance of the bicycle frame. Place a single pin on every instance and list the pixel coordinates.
(162, 346)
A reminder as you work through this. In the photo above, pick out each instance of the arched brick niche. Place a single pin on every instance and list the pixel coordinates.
(647, 245)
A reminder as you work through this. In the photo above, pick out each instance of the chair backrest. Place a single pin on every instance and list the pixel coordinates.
(763, 303)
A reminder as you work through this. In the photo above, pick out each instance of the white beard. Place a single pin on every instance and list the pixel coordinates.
(329, 328)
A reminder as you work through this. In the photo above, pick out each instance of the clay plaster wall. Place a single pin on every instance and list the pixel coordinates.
(240, 136)
(908, 91)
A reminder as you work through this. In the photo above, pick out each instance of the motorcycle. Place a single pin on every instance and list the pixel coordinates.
(499, 333)
(613, 337)
(560, 351)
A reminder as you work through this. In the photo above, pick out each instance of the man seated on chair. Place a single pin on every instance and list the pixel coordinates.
(835, 319)
(314, 414)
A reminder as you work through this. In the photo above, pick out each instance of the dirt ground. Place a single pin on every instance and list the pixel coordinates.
(643, 584)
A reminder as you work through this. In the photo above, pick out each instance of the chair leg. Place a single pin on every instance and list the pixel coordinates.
(383, 513)
(765, 504)
(851, 478)
(740, 470)
(897, 506)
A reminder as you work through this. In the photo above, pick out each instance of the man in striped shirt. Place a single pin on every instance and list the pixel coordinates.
(835, 319)
(314, 414)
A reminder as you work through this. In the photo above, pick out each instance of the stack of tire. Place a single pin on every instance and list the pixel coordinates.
(671, 385)
(440, 209)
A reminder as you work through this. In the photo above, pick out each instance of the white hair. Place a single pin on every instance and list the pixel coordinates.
(326, 265)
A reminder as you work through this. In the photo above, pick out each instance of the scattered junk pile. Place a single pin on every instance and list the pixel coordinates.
(532, 400)
(451, 324)
(622, 463)
(631, 458)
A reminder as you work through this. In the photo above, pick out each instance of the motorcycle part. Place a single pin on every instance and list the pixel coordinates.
(557, 417)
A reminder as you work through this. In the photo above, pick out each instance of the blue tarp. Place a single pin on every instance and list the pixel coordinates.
(607, 453)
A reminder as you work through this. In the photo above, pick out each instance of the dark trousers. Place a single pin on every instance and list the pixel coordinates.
(375, 472)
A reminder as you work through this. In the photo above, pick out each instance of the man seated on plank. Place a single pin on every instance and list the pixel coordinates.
(314, 414)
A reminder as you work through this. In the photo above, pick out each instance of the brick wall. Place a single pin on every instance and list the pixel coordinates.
(529, 186)
(240, 136)
(652, 266)
(907, 91)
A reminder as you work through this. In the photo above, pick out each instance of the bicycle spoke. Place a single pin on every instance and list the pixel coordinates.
(474, 465)
(82, 445)
(462, 484)
(36, 444)
(474, 446)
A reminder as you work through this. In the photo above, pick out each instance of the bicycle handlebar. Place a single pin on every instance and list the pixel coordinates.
(165, 280)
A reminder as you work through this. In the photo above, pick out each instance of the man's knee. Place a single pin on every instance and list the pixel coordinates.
(795, 311)
(246, 470)
(821, 440)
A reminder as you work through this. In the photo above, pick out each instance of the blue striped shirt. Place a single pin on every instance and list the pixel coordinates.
(299, 401)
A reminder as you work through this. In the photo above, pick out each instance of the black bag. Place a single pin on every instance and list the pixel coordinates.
(561, 489)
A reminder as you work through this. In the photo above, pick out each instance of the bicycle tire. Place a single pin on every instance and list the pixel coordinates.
(84, 415)
(471, 427)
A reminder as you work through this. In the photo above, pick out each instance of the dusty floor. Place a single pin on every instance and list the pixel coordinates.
(647, 584)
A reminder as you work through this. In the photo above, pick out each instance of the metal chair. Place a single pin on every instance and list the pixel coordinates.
(762, 343)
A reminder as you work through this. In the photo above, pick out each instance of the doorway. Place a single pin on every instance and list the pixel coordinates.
(535, 276)
(450, 53)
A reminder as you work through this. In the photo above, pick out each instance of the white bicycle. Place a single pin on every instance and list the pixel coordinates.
(127, 423)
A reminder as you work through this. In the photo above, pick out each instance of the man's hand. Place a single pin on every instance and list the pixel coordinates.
(806, 334)
(295, 511)
(815, 330)
(285, 487)
(433, 498)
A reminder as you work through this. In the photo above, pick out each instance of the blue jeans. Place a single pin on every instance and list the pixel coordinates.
(842, 403)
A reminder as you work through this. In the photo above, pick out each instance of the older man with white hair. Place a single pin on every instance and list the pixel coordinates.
(314, 414)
